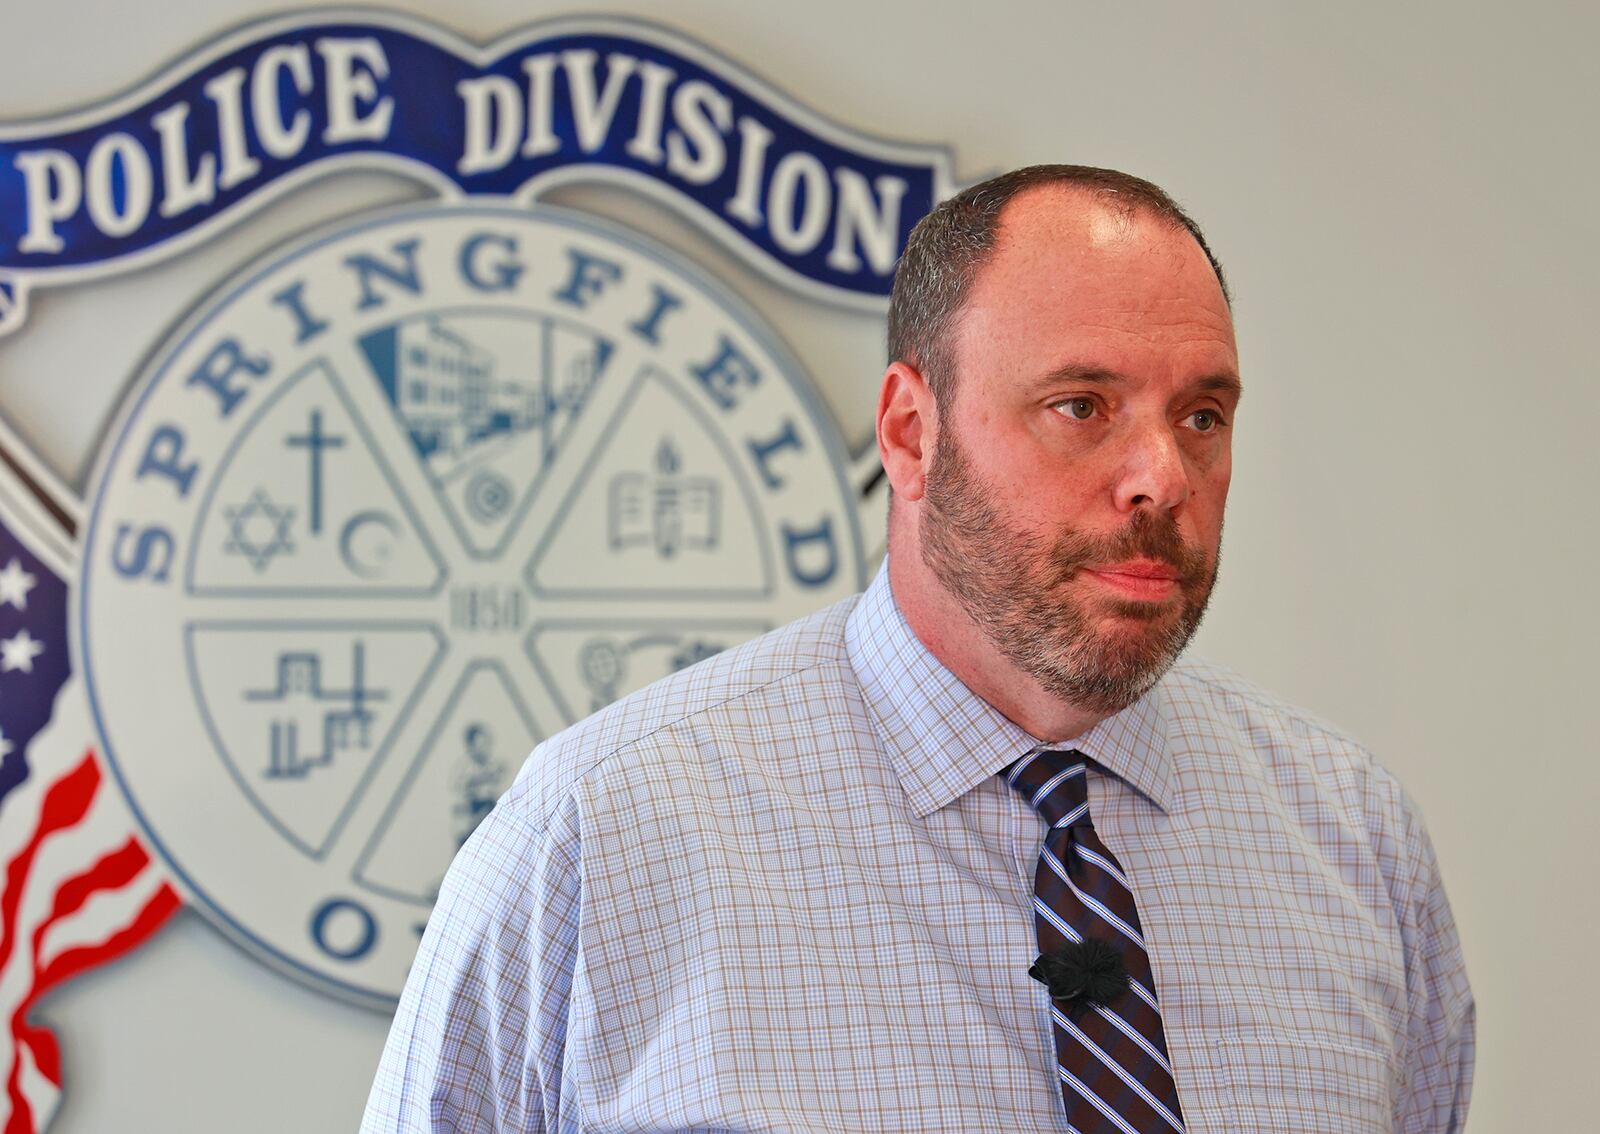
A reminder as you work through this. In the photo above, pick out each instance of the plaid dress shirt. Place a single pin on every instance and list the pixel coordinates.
(785, 890)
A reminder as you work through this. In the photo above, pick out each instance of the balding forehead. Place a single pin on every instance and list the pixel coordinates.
(1094, 217)
(1068, 218)
(954, 245)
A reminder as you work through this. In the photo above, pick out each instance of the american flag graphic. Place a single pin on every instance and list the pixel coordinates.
(78, 887)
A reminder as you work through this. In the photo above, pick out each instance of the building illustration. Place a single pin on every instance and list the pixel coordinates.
(451, 394)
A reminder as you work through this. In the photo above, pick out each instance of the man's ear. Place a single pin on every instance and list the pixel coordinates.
(907, 425)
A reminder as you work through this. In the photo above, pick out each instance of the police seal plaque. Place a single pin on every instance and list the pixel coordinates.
(399, 503)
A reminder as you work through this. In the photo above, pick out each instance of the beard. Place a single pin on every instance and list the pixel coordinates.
(1014, 585)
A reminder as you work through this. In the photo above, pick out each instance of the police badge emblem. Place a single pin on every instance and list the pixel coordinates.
(427, 485)
(400, 503)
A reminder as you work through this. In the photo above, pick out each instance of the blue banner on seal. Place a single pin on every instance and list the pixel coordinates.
(822, 208)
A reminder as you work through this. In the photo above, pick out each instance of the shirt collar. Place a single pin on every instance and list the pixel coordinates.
(944, 739)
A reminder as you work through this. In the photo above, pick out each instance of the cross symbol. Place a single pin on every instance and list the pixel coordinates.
(314, 441)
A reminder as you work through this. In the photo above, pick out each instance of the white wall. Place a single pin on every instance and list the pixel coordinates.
(1402, 197)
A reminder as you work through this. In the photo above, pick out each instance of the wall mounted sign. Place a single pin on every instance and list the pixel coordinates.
(819, 207)
(413, 491)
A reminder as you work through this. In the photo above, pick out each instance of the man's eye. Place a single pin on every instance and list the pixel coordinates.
(1206, 421)
(1080, 408)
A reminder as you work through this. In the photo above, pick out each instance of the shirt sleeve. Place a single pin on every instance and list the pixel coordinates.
(1442, 1042)
(479, 1038)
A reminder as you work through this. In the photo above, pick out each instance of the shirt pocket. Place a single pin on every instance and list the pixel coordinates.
(1277, 1081)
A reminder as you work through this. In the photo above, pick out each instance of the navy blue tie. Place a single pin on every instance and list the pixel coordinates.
(1111, 1054)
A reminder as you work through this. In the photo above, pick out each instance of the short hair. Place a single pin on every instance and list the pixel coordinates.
(948, 246)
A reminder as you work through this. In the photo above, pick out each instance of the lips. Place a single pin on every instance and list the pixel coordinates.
(1137, 579)
(1140, 569)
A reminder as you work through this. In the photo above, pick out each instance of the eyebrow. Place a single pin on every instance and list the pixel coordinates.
(1220, 383)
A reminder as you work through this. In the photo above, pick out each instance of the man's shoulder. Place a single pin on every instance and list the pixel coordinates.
(1282, 742)
(1201, 681)
(719, 685)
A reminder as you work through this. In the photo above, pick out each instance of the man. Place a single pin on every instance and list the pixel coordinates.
(969, 852)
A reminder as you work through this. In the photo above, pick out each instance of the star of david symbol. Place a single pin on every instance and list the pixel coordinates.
(258, 529)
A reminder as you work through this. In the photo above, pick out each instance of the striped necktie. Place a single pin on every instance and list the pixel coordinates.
(1111, 1056)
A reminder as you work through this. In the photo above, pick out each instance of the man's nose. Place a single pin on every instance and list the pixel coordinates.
(1153, 472)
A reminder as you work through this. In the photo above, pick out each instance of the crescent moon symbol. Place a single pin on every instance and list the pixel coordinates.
(370, 565)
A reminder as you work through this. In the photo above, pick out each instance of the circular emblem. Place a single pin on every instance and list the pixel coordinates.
(393, 507)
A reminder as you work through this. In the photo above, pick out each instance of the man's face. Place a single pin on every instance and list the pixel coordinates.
(1074, 503)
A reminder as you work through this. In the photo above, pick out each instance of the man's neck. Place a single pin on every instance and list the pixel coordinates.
(960, 645)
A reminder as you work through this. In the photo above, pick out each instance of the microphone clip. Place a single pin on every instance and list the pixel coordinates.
(1081, 975)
